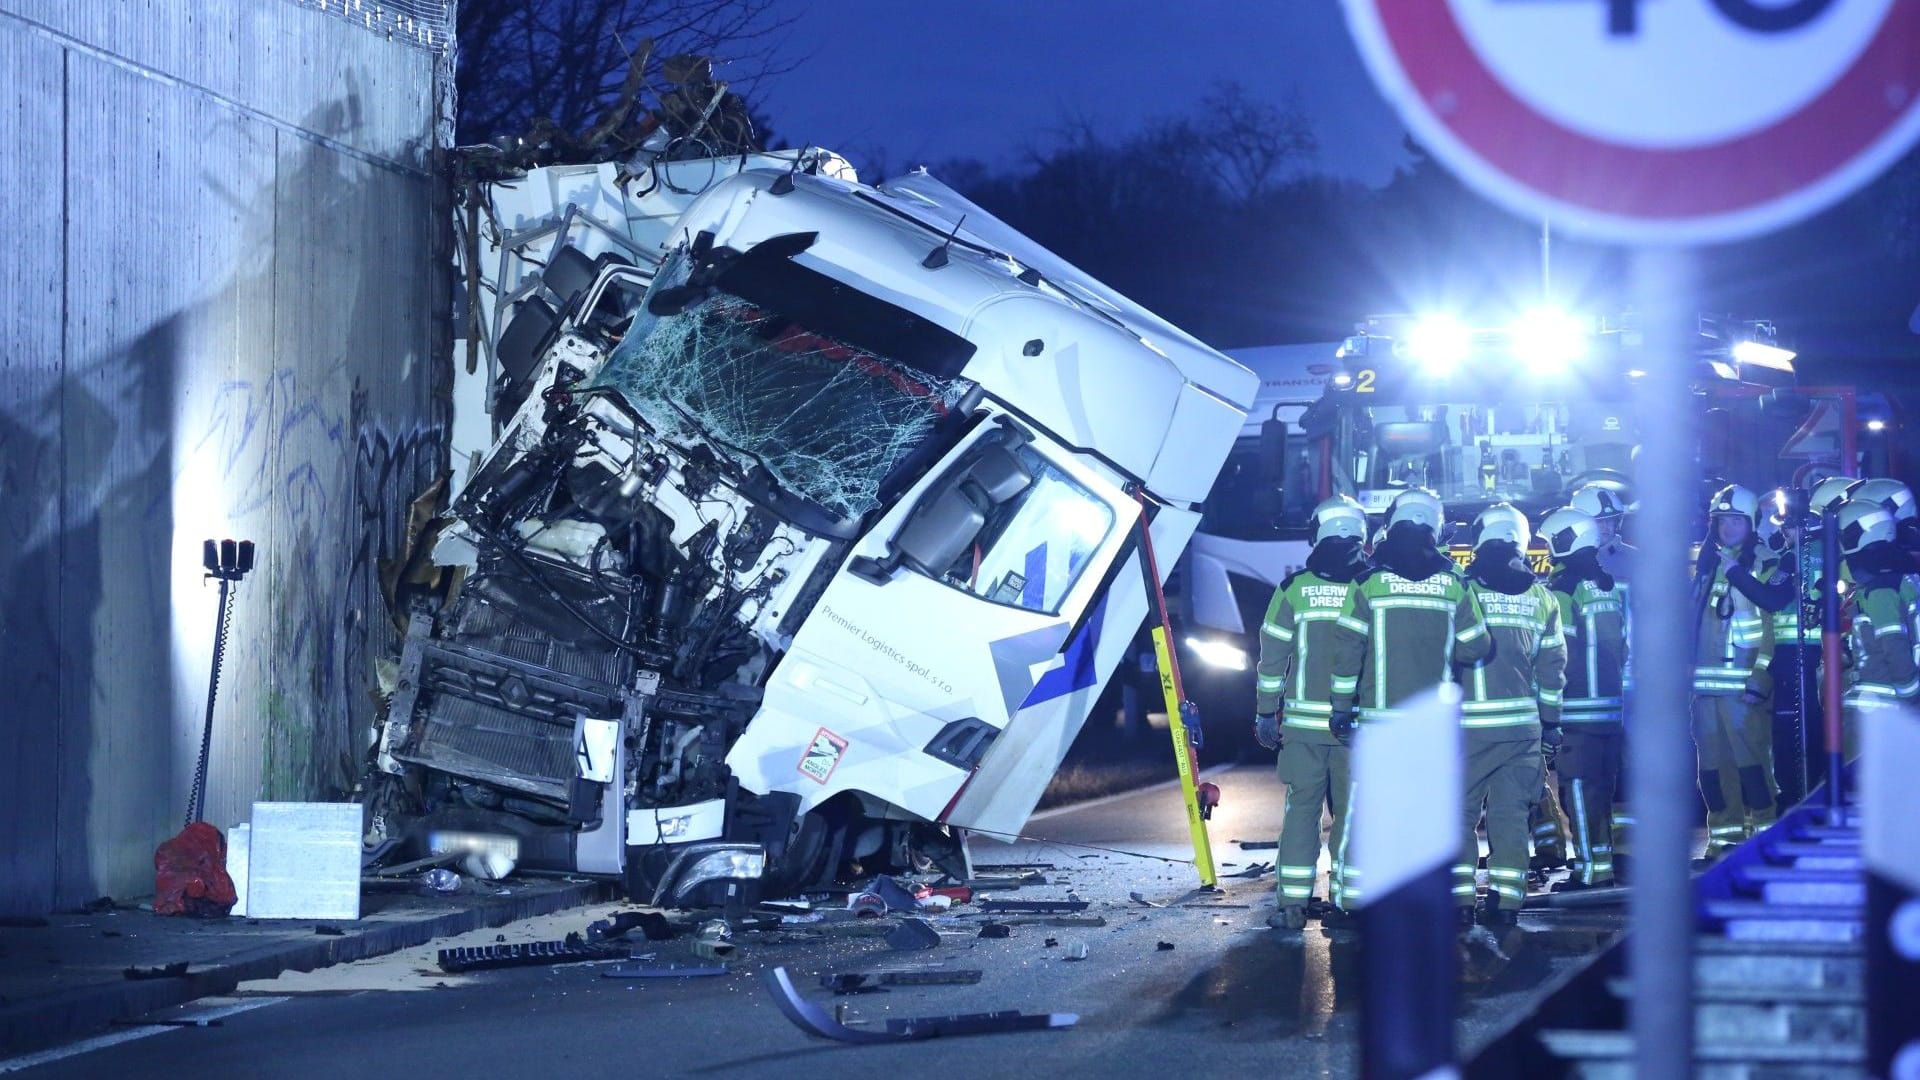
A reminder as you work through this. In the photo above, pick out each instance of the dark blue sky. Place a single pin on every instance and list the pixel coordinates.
(916, 82)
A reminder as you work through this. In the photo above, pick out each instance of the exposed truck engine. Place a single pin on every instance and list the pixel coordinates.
(807, 534)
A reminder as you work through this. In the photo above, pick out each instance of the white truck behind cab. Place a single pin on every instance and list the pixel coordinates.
(799, 524)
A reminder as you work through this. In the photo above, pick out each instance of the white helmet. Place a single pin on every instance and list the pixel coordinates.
(1734, 499)
(1501, 522)
(1828, 494)
(1338, 516)
(1892, 494)
(1863, 522)
(1568, 530)
(1599, 500)
(1418, 506)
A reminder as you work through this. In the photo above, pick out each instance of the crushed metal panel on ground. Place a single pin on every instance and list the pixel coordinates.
(304, 861)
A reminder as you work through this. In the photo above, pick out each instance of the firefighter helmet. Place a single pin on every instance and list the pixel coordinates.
(1600, 500)
(1863, 522)
(1568, 530)
(1828, 494)
(1417, 506)
(1734, 499)
(1338, 516)
(1892, 494)
(1501, 522)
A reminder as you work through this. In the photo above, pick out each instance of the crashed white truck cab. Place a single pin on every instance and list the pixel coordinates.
(806, 536)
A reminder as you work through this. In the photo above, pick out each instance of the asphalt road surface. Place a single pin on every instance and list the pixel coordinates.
(1228, 994)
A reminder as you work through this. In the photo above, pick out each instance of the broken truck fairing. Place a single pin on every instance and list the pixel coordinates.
(808, 542)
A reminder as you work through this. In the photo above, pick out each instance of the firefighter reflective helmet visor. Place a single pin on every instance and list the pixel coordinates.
(1501, 522)
(1892, 494)
(1863, 522)
(1568, 530)
(1338, 516)
(1828, 494)
(1734, 499)
(1417, 507)
(1597, 501)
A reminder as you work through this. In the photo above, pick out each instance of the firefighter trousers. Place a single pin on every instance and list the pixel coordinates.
(1547, 822)
(1589, 771)
(1735, 745)
(1503, 777)
(1798, 751)
(1316, 775)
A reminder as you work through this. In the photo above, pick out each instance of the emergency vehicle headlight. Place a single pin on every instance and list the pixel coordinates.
(1876, 425)
(1762, 355)
(1439, 342)
(1549, 340)
(1220, 654)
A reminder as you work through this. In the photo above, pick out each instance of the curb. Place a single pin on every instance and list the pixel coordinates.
(55, 1018)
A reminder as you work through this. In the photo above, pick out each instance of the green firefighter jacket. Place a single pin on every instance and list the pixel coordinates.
(1882, 640)
(1296, 654)
(1516, 688)
(1398, 637)
(1731, 656)
(1594, 621)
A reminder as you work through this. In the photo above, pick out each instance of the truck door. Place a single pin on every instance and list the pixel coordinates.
(938, 626)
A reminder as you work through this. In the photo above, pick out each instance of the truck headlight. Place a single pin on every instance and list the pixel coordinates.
(700, 864)
(1220, 654)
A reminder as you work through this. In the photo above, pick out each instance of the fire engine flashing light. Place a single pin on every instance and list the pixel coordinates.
(1759, 354)
(1549, 339)
(1439, 342)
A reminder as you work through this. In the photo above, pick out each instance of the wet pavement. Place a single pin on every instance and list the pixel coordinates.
(1228, 993)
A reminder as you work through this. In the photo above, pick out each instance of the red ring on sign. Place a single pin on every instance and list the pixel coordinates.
(1650, 182)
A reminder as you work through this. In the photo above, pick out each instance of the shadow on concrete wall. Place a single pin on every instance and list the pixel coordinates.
(317, 437)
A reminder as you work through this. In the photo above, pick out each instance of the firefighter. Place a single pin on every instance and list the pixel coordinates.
(1607, 504)
(1898, 499)
(1593, 618)
(1730, 683)
(1828, 494)
(1883, 673)
(1408, 621)
(1294, 705)
(1793, 670)
(1510, 715)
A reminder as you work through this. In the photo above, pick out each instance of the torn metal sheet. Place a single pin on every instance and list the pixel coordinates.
(815, 1020)
(1033, 906)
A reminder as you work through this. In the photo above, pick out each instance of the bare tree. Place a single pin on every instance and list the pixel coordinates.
(1254, 144)
(566, 61)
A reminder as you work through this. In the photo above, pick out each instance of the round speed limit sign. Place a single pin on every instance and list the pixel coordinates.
(1653, 121)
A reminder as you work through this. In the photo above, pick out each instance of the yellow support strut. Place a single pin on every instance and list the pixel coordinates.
(1185, 753)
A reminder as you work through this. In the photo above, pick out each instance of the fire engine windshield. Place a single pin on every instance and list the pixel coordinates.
(827, 418)
(1530, 453)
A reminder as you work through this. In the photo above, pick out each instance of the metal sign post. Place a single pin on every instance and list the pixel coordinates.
(1890, 802)
(1406, 839)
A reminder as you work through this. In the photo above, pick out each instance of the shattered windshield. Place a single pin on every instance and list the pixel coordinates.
(827, 419)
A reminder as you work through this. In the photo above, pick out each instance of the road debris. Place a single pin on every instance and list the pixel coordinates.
(1257, 845)
(913, 933)
(714, 941)
(523, 954)
(1163, 946)
(328, 930)
(996, 930)
(1139, 899)
(440, 880)
(817, 1021)
(1047, 907)
(1257, 870)
(619, 924)
(1074, 950)
(175, 970)
(649, 970)
(857, 982)
(866, 905)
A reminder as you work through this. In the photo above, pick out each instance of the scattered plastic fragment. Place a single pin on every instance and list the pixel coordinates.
(644, 970)
(175, 970)
(714, 940)
(866, 905)
(996, 930)
(1164, 946)
(619, 924)
(913, 934)
(523, 954)
(441, 880)
(1139, 899)
(936, 904)
(328, 930)
(1075, 950)
(1257, 845)
(1037, 906)
(815, 1020)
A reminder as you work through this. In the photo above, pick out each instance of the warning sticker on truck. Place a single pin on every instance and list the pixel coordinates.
(823, 756)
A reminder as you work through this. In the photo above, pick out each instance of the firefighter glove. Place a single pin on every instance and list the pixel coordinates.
(1266, 728)
(1551, 739)
(1342, 723)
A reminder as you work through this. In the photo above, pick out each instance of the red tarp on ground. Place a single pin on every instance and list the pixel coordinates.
(190, 874)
